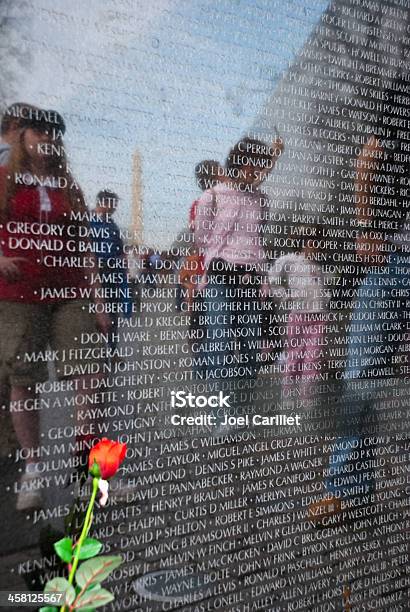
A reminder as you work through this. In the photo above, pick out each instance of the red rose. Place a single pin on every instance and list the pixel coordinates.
(107, 455)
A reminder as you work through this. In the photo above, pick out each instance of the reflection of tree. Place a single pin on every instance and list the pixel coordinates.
(14, 54)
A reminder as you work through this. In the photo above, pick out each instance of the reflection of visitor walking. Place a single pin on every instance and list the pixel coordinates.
(350, 472)
(228, 225)
(383, 277)
(207, 173)
(40, 300)
(112, 261)
(362, 411)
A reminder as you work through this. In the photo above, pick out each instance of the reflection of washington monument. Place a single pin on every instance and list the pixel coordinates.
(136, 210)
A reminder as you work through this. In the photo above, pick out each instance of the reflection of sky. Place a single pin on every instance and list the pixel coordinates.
(179, 80)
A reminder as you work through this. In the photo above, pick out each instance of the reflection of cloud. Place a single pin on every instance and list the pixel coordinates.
(180, 82)
(14, 53)
(65, 36)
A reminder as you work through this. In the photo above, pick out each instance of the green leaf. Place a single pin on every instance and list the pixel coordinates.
(64, 549)
(96, 570)
(61, 585)
(48, 609)
(93, 598)
(90, 548)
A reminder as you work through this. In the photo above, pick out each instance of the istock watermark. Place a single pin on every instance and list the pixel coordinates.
(180, 399)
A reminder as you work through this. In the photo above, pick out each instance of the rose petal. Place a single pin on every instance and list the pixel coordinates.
(103, 486)
(108, 455)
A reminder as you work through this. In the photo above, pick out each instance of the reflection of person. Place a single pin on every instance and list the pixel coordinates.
(207, 174)
(39, 303)
(387, 281)
(12, 122)
(297, 282)
(228, 224)
(111, 261)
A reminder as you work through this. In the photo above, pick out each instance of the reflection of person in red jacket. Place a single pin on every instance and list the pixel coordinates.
(207, 174)
(46, 263)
